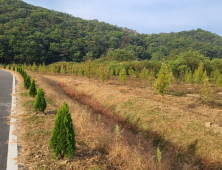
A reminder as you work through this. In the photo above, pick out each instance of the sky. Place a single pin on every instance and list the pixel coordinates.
(145, 16)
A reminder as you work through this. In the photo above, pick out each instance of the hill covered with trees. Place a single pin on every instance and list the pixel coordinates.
(35, 34)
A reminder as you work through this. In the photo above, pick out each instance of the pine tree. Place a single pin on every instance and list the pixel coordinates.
(4, 66)
(27, 82)
(32, 90)
(151, 77)
(81, 71)
(117, 70)
(52, 68)
(162, 84)
(62, 140)
(219, 81)
(215, 75)
(68, 68)
(89, 72)
(9, 67)
(101, 73)
(62, 70)
(122, 76)
(190, 77)
(111, 72)
(131, 72)
(43, 67)
(198, 75)
(205, 75)
(24, 66)
(34, 67)
(143, 76)
(40, 68)
(207, 90)
(186, 76)
(40, 103)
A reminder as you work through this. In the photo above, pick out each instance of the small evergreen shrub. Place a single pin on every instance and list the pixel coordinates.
(40, 103)
(4, 66)
(27, 82)
(9, 67)
(32, 90)
(122, 76)
(62, 140)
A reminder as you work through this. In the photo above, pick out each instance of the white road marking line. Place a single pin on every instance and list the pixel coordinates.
(12, 145)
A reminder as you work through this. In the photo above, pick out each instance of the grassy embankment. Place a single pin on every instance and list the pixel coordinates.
(99, 145)
(178, 129)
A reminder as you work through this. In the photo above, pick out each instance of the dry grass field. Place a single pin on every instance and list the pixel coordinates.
(187, 129)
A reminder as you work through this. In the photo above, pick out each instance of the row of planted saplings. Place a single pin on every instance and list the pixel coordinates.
(102, 72)
(62, 140)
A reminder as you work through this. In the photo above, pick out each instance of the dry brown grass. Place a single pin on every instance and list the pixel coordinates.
(179, 128)
(97, 147)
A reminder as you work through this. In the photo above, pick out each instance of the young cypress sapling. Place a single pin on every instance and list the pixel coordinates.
(32, 90)
(27, 82)
(62, 140)
(40, 103)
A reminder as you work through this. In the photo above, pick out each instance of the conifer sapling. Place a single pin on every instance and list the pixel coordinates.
(162, 84)
(32, 90)
(62, 140)
(27, 82)
(40, 103)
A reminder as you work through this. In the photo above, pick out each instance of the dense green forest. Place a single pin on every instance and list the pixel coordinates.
(35, 34)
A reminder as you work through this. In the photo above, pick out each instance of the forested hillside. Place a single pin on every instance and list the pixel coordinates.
(34, 34)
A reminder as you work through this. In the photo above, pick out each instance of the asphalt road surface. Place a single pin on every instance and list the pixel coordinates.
(6, 80)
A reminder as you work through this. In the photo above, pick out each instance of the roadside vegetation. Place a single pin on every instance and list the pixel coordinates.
(125, 122)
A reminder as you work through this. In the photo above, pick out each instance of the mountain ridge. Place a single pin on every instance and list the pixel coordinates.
(34, 34)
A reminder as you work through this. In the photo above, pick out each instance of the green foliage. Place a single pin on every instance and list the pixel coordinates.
(27, 82)
(159, 157)
(40, 35)
(215, 75)
(32, 90)
(219, 81)
(9, 67)
(89, 72)
(111, 72)
(62, 70)
(62, 140)
(122, 76)
(40, 67)
(190, 77)
(207, 91)
(40, 102)
(162, 84)
(198, 74)
(52, 68)
(205, 75)
(143, 76)
(81, 71)
(34, 67)
(117, 71)
(4, 66)
(151, 77)
(131, 72)
(103, 73)
(120, 55)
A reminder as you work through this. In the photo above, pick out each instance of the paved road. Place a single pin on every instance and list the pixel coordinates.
(6, 80)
